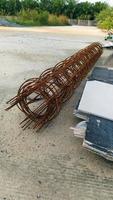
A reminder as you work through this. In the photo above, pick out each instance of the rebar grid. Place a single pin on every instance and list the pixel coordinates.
(41, 98)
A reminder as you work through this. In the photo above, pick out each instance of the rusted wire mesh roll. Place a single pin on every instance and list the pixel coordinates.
(41, 98)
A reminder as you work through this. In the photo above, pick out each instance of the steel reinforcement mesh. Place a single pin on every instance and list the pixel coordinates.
(41, 98)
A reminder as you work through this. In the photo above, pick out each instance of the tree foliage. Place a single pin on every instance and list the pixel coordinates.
(105, 19)
(70, 8)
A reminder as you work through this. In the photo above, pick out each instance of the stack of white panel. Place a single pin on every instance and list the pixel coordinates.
(97, 99)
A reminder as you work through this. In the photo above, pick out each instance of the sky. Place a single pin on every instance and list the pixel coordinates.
(110, 2)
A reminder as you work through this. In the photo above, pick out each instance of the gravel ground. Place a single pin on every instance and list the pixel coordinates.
(50, 164)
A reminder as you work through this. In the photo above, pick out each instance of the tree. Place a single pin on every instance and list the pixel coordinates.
(57, 6)
(70, 8)
(84, 10)
(87, 10)
(10, 7)
(29, 4)
(45, 5)
(105, 19)
(99, 6)
(2, 6)
(18, 6)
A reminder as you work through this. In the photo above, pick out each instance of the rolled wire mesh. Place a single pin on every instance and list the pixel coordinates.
(41, 98)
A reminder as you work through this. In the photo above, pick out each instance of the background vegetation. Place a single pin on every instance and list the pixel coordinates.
(105, 19)
(38, 18)
(52, 12)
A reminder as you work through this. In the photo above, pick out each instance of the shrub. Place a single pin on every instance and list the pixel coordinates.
(43, 18)
(55, 20)
(39, 18)
(63, 20)
(105, 19)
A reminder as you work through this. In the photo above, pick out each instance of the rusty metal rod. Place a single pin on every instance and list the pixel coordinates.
(41, 98)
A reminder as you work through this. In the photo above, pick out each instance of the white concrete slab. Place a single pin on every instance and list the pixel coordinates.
(97, 99)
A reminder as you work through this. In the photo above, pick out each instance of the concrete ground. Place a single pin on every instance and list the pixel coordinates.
(50, 164)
